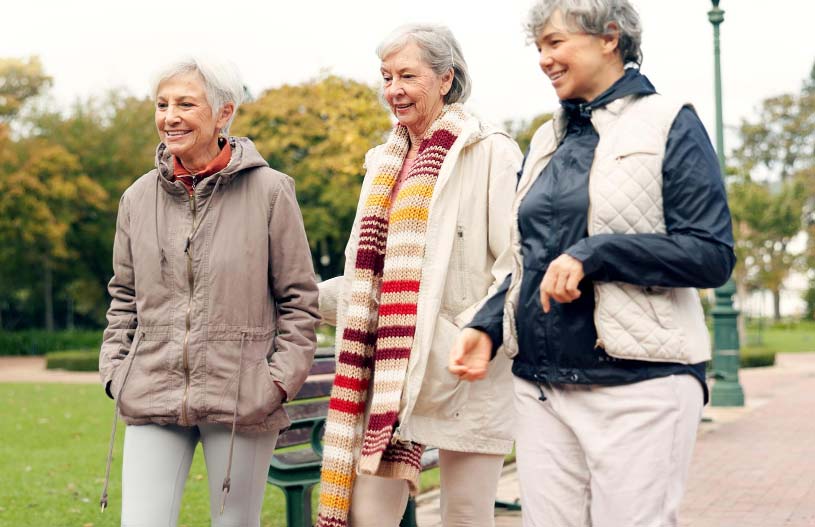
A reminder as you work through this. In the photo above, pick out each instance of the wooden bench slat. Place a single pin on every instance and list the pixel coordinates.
(323, 366)
(315, 388)
(305, 410)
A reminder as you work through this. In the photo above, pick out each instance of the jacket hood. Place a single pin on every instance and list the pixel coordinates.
(631, 83)
(244, 156)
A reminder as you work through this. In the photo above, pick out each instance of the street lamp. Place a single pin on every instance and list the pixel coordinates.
(726, 390)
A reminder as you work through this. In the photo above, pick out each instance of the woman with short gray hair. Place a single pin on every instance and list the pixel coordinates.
(620, 215)
(429, 243)
(213, 307)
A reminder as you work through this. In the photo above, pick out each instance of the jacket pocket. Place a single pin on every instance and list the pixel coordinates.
(143, 391)
(442, 395)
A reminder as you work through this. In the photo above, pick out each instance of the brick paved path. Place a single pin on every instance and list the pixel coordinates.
(752, 466)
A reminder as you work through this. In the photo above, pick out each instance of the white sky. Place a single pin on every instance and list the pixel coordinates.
(90, 46)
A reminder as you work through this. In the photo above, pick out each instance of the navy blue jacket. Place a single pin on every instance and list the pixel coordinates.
(696, 251)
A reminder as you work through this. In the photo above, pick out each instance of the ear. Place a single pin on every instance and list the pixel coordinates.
(611, 40)
(227, 111)
(447, 81)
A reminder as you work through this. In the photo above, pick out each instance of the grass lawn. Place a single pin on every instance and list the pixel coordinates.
(52, 461)
(784, 338)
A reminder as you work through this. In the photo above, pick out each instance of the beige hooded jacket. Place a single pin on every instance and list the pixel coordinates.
(213, 297)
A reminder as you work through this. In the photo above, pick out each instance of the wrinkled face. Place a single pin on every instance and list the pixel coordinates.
(185, 122)
(578, 65)
(412, 89)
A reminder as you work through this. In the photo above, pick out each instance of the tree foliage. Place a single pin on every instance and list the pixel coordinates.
(771, 196)
(318, 133)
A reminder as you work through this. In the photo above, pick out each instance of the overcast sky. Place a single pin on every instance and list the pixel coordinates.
(90, 46)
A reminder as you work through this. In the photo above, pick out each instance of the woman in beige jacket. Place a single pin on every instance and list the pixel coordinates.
(430, 241)
(213, 308)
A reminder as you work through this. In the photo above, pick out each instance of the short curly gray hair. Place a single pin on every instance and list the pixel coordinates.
(592, 17)
(440, 50)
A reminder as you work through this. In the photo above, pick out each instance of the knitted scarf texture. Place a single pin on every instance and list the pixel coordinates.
(381, 322)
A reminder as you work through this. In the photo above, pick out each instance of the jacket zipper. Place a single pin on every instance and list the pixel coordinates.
(191, 283)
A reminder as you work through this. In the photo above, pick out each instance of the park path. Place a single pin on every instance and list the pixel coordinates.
(752, 466)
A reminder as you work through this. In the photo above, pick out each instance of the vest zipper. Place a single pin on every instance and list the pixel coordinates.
(188, 321)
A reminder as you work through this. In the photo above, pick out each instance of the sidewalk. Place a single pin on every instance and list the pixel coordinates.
(752, 466)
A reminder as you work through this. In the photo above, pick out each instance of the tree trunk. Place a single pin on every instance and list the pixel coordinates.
(69, 314)
(48, 289)
(741, 321)
(776, 303)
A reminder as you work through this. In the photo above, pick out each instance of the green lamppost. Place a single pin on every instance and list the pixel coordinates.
(726, 391)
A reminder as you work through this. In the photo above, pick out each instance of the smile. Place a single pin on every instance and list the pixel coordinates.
(556, 76)
(176, 133)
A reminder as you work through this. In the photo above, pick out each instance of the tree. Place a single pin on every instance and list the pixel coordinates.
(523, 131)
(772, 193)
(20, 81)
(318, 133)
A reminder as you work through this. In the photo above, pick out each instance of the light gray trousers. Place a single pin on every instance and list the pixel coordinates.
(156, 463)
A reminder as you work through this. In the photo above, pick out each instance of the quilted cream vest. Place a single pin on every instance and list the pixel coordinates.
(625, 193)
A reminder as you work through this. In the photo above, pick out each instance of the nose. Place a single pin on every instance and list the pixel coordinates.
(171, 114)
(394, 88)
(545, 59)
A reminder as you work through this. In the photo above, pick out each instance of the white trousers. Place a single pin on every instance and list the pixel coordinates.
(468, 486)
(156, 463)
(605, 456)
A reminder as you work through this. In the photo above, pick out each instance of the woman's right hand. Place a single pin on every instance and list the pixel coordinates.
(470, 355)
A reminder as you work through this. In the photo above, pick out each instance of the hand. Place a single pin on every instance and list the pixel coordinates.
(470, 355)
(561, 280)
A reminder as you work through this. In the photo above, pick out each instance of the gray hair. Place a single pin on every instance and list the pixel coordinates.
(440, 50)
(592, 17)
(221, 79)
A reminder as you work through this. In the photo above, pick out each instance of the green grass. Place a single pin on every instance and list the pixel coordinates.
(73, 360)
(781, 337)
(52, 461)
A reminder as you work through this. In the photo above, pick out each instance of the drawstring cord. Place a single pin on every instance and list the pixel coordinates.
(543, 395)
(228, 480)
(103, 501)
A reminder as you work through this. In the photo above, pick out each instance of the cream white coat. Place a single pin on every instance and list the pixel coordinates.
(467, 256)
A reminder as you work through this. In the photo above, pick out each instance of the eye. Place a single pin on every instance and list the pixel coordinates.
(186, 105)
(386, 79)
(161, 105)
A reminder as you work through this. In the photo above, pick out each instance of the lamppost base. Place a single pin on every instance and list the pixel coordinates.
(726, 393)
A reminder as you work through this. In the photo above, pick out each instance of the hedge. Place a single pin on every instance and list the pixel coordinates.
(750, 357)
(73, 360)
(40, 342)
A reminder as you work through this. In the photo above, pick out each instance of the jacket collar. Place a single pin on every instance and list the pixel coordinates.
(244, 156)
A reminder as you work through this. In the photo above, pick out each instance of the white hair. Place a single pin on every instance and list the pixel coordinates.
(592, 17)
(221, 80)
(440, 50)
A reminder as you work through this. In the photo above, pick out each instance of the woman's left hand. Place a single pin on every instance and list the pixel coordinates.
(561, 280)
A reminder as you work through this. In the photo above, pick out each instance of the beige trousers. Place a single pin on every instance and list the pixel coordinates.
(468, 486)
(605, 456)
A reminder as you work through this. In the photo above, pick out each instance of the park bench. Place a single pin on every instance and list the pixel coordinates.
(295, 467)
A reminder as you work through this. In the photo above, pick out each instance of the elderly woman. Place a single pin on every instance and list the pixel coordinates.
(619, 215)
(214, 304)
(424, 251)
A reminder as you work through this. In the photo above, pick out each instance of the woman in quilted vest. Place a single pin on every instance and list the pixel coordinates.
(620, 215)
(430, 241)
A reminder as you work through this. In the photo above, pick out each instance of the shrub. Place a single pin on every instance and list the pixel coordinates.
(757, 357)
(73, 360)
(40, 342)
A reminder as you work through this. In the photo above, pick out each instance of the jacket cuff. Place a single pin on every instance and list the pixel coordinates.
(583, 251)
(496, 335)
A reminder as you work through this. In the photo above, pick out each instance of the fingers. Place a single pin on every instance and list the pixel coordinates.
(561, 281)
(470, 355)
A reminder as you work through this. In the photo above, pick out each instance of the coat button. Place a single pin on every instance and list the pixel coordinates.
(574, 377)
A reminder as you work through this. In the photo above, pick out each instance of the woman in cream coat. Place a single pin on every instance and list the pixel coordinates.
(462, 234)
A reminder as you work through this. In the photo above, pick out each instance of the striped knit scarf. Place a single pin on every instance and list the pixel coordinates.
(388, 263)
